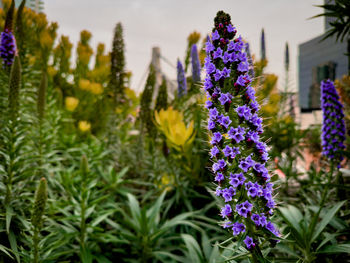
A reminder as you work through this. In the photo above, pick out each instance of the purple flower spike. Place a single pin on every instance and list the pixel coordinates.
(196, 66)
(181, 80)
(8, 47)
(238, 228)
(248, 241)
(235, 127)
(333, 127)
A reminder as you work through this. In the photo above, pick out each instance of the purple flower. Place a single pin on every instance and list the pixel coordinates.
(209, 46)
(225, 121)
(246, 163)
(227, 57)
(216, 139)
(218, 191)
(219, 177)
(214, 152)
(215, 35)
(269, 226)
(215, 167)
(235, 128)
(239, 44)
(8, 47)
(333, 127)
(217, 75)
(196, 66)
(262, 220)
(228, 193)
(207, 84)
(238, 228)
(208, 104)
(241, 80)
(227, 151)
(231, 28)
(244, 112)
(224, 98)
(222, 164)
(213, 114)
(217, 53)
(211, 125)
(236, 134)
(252, 136)
(210, 67)
(243, 67)
(256, 219)
(181, 80)
(236, 179)
(244, 208)
(225, 72)
(248, 241)
(226, 211)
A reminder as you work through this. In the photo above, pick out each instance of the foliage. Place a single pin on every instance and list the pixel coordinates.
(117, 66)
(340, 12)
(81, 180)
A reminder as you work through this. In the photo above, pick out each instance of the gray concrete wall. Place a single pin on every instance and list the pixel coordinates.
(314, 53)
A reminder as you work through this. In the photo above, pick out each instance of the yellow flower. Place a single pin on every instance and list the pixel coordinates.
(84, 126)
(96, 88)
(84, 84)
(171, 123)
(46, 40)
(71, 103)
(166, 182)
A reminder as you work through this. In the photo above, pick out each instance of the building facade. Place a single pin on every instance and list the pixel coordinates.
(319, 59)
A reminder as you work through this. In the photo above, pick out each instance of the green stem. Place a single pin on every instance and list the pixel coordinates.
(36, 245)
(82, 223)
(9, 169)
(256, 252)
(323, 200)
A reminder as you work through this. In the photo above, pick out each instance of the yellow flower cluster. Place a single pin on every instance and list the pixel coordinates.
(84, 50)
(93, 87)
(84, 126)
(170, 123)
(71, 103)
(166, 182)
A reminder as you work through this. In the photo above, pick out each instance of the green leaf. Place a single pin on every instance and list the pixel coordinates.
(5, 250)
(13, 244)
(153, 212)
(326, 219)
(9, 214)
(193, 248)
(287, 250)
(334, 249)
(293, 217)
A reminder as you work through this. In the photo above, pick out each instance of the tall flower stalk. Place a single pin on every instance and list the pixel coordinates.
(333, 137)
(333, 126)
(181, 80)
(37, 216)
(262, 45)
(196, 66)
(239, 155)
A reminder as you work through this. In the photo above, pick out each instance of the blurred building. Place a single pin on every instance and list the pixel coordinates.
(36, 5)
(318, 60)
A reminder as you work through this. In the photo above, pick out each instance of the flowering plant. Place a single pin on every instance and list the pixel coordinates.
(333, 127)
(238, 153)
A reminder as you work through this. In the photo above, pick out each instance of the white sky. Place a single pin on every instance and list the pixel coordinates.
(167, 23)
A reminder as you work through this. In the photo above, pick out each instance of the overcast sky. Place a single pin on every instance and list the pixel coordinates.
(167, 23)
